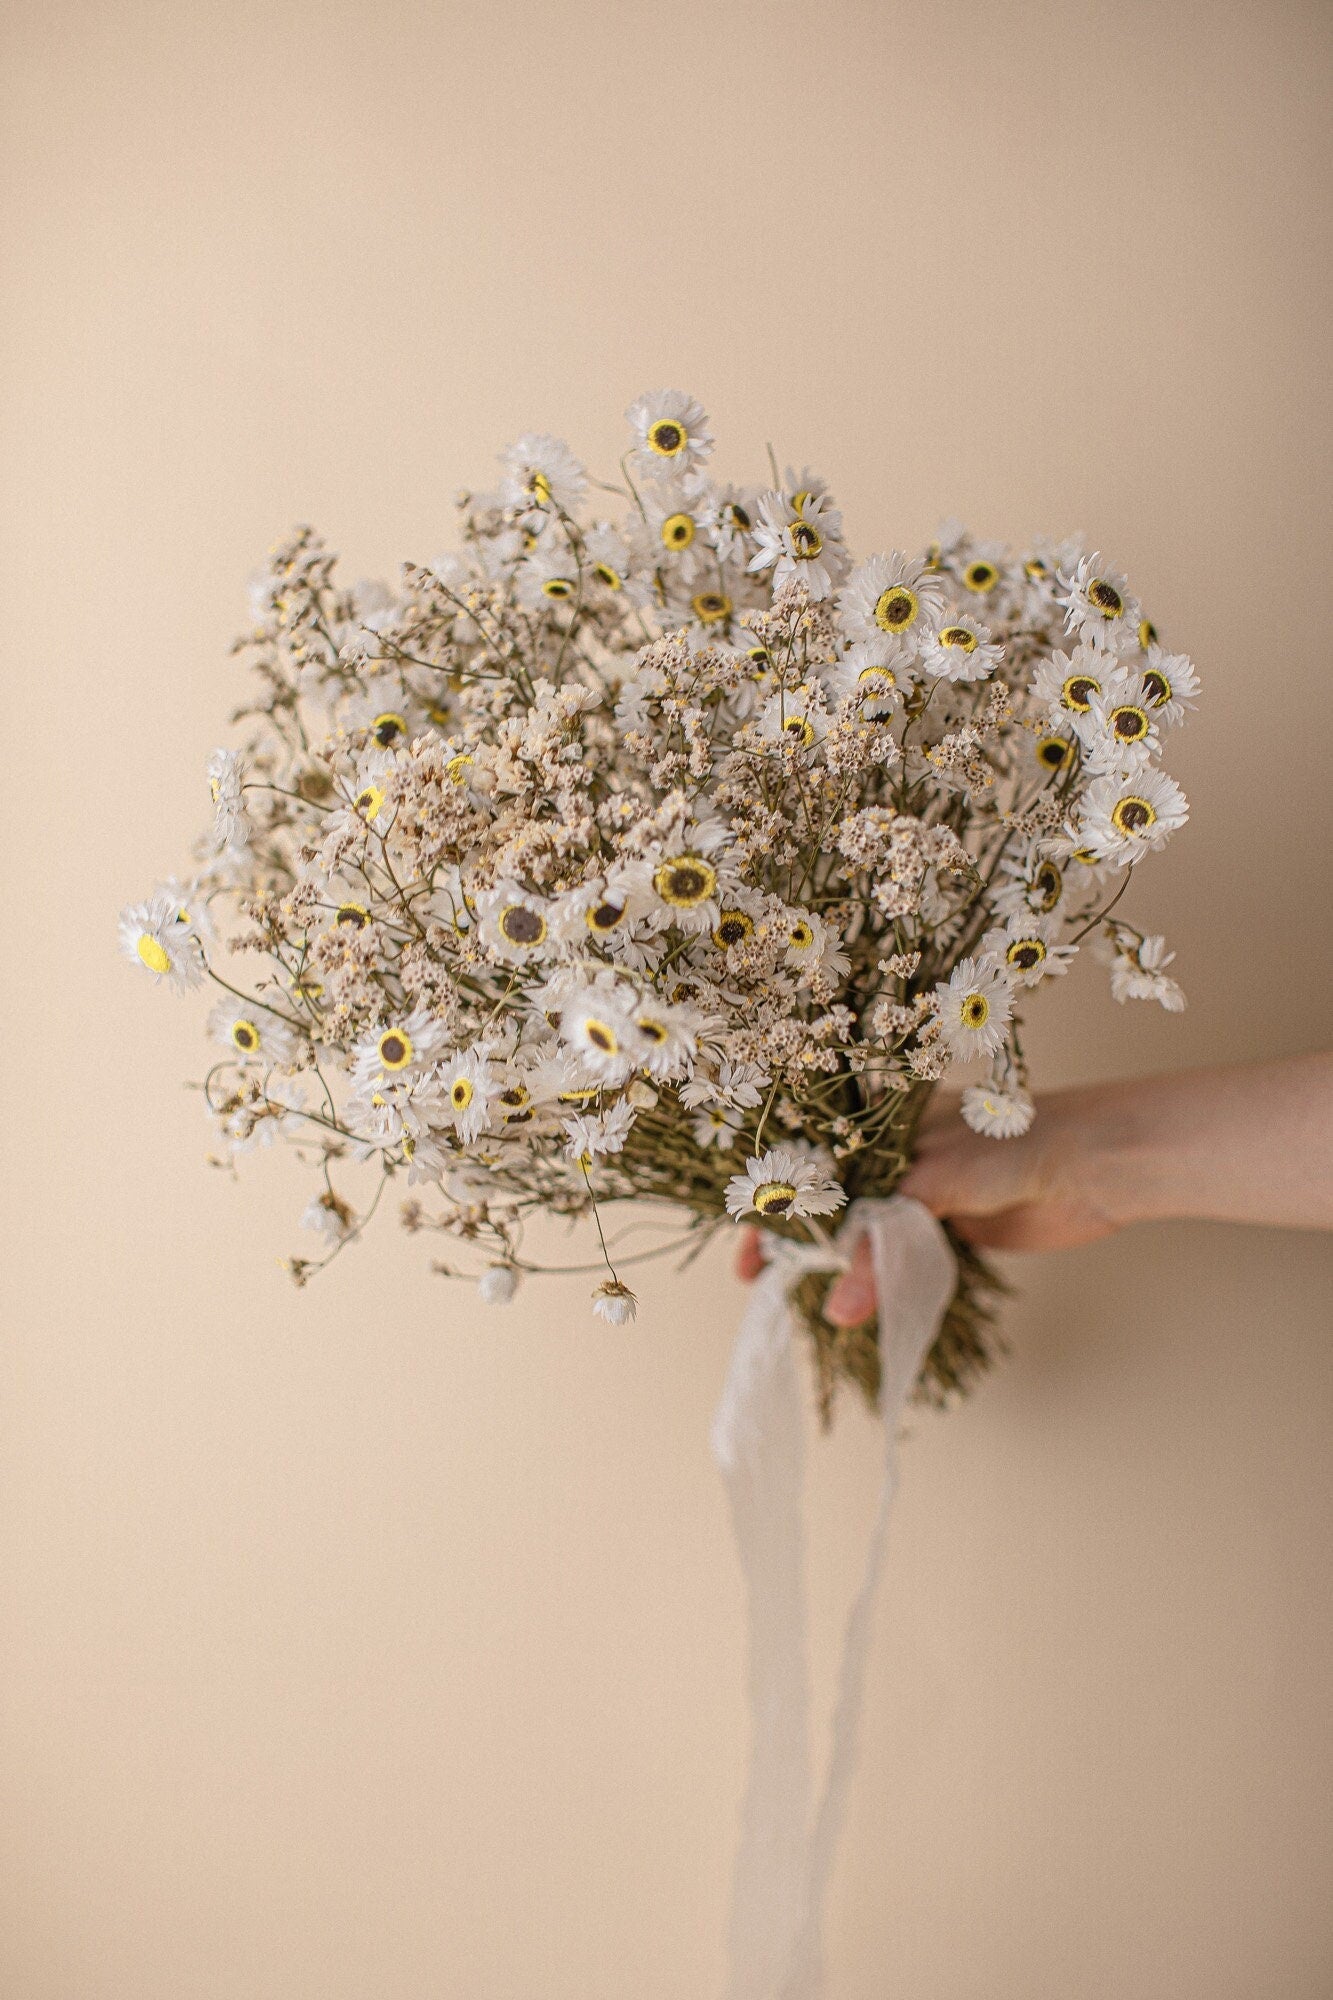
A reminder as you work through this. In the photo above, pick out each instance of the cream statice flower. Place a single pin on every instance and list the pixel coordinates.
(784, 1182)
(643, 831)
(671, 435)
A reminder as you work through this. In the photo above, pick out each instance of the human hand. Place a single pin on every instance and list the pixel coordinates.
(1043, 1191)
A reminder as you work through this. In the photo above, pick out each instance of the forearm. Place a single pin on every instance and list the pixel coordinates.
(1253, 1143)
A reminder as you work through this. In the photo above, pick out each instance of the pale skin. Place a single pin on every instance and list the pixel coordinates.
(1249, 1143)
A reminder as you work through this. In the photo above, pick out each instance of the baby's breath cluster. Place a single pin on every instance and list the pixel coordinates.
(648, 846)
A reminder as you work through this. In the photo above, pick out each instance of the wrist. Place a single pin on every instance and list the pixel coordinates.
(1115, 1160)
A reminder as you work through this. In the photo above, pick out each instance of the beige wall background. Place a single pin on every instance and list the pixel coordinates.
(353, 1643)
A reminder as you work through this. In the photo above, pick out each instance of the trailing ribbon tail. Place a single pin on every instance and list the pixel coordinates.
(784, 1857)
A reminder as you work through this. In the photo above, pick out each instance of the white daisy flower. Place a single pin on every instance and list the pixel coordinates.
(717, 1127)
(671, 434)
(867, 680)
(961, 650)
(981, 569)
(731, 523)
(1138, 970)
(610, 566)
(1029, 882)
(739, 1086)
(973, 1006)
(685, 888)
(677, 521)
(153, 934)
(1170, 683)
(1029, 949)
(548, 576)
(588, 1136)
(514, 924)
(998, 1111)
(1118, 818)
(1118, 729)
(801, 546)
(1066, 683)
(664, 1037)
(468, 1089)
(497, 1284)
(794, 715)
(595, 1027)
(540, 470)
(1098, 606)
(400, 1052)
(252, 1033)
(783, 1182)
(231, 821)
(889, 602)
(614, 1302)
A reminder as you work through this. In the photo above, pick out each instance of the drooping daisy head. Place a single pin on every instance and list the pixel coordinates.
(785, 1181)
(614, 1302)
(997, 1110)
(671, 434)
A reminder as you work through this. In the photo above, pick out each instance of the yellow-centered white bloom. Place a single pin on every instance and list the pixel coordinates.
(785, 1181)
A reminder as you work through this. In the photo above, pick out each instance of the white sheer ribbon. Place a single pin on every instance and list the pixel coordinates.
(785, 1853)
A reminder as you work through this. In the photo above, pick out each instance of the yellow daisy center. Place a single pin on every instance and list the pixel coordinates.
(1147, 633)
(959, 637)
(610, 577)
(602, 1036)
(896, 608)
(388, 727)
(1104, 597)
(806, 541)
(711, 606)
(737, 516)
(1078, 691)
(245, 1035)
(1133, 816)
(356, 915)
(774, 1197)
(800, 729)
(558, 587)
(153, 953)
(602, 918)
(981, 577)
(521, 925)
(975, 1010)
(1054, 752)
(678, 531)
(801, 936)
(369, 800)
(395, 1047)
(667, 438)
(457, 767)
(1129, 724)
(461, 1092)
(651, 1029)
(734, 927)
(1046, 886)
(1157, 687)
(1025, 953)
(685, 882)
(539, 485)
